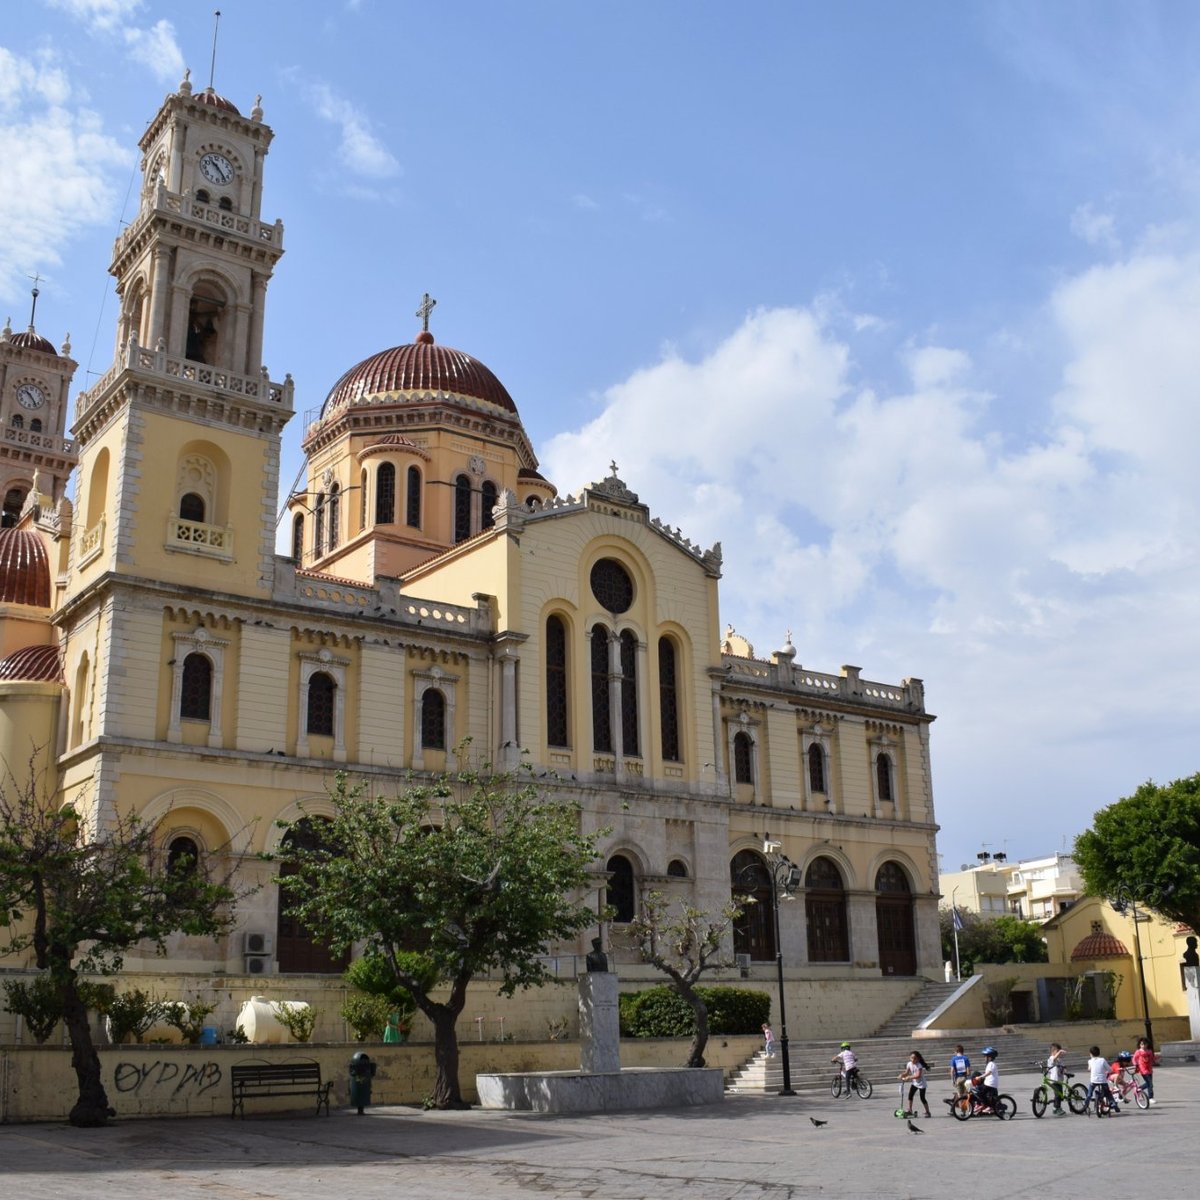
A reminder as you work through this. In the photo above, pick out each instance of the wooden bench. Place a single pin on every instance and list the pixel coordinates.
(298, 1078)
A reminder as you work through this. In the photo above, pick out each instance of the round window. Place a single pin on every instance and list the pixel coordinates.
(612, 586)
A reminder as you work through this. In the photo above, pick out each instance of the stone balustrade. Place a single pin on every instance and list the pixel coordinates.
(177, 205)
(39, 441)
(782, 675)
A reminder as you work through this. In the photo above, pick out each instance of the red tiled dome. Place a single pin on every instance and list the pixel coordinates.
(423, 367)
(211, 98)
(38, 664)
(24, 568)
(32, 341)
(1099, 945)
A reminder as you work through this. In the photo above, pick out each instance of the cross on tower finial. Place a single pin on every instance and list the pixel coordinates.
(612, 466)
(427, 306)
(33, 307)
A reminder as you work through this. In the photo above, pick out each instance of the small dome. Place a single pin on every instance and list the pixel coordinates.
(32, 341)
(213, 100)
(1099, 945)
(35, 664)
(24, 568)
(421, 367)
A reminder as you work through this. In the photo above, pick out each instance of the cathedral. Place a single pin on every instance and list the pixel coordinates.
(439, 597)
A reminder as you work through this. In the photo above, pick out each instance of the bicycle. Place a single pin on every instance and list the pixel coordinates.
(1075, 1095)
(861, 1086)
(1123, 1085)
(963, 1108)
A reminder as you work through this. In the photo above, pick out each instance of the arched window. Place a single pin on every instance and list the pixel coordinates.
(412, 514)
(225, 204)
(183, 857)
(556, 682)
(622, 889)
(602, 739)
(629, 706)
(191, 507)
(743, 758)
(677, 869)
(883, 778)
(385, 494)
(202, 195)
(298, 537)
(433, 720)
(296, 947)
(18, 421)
(319, 527)
(816, 768)
(14, 501)
(362, 500)
(462, 508)
(668, 700)
(489, 494)
(754, 931)
(825, 912)
(205, 313)
(195, 696)
(894, 921)
(35, 426)
(321, 691)
(335, 512)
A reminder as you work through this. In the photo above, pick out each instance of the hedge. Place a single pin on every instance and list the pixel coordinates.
(662, 1012)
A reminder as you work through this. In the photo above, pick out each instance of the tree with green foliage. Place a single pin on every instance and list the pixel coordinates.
(1004, 939)
(1147, 846)
(474, 872)
(683, 943)
(78, 891)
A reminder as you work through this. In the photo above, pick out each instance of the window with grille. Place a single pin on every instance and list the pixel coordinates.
(183, 857)
(668, 700)
(825, 912)
(433, 720)
(816, 768)
(298, 537)
(556, 682)
(602, 740)
(385, 494)
(612, 586)
(743, 758)
(413, 514)
(321, 689)
(191, 507)
(486, 520)
(319, 530)
(462, 509)
(195, 697)
(335, 511)
(630, 742)
(883, 774)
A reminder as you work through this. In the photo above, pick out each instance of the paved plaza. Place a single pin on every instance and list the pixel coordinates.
(747, 1148)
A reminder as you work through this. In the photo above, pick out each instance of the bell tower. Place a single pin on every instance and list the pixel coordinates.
(179, 441)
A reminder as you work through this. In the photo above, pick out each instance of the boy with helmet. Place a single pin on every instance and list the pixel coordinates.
(849, 1063)
(988, 1089)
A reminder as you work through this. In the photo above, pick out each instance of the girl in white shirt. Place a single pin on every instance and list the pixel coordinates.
(915, 1071)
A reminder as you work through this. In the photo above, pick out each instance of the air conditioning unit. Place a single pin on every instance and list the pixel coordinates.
(258, 964)
(743, 964)
(257, 943)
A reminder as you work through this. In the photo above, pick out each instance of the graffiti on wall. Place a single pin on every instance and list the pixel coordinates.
(166, 1077)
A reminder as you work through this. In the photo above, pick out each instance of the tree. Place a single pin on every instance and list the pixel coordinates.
(474, 872)
(79, 893)
(1148, 845)
(683, 945)
(983, 939)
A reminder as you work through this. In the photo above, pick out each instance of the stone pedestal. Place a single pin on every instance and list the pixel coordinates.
(1192, 984)
(599, 1025)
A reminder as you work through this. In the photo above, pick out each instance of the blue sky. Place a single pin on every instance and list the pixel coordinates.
(898, 302)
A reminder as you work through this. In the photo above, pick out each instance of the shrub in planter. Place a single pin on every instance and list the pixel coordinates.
(298, 1019)
(38, 1003)
(366, 1015)
(661, 1012)
(131, 1014)
(188, 1018)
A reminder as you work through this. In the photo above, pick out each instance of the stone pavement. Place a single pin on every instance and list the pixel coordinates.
(747, 1148)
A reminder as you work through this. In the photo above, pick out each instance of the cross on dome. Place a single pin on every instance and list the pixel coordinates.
(426, 307)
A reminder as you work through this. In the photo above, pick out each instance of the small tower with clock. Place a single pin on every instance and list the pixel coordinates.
(34, 379)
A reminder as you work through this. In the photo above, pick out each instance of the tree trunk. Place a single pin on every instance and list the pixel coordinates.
(700, 1038)
(446, 1093)
(92, 1107)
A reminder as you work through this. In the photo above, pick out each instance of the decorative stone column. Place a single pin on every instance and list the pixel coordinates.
(599, 1029)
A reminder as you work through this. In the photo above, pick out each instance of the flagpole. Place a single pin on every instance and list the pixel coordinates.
(954, 924)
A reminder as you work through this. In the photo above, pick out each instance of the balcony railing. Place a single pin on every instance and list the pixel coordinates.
(195, 537)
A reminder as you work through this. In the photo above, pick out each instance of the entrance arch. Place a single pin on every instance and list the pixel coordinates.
(754, 931)
(296, 949)
(894, 921)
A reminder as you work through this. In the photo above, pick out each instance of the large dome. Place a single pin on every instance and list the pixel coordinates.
(421, 367)
(24, 568)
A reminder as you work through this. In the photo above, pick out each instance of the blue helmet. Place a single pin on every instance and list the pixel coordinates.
(990, 1052)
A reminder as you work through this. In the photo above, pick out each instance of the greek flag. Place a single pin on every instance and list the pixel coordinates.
(958, 921)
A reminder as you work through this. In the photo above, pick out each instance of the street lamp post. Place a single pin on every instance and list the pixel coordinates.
(785, 878)
(1123, 901)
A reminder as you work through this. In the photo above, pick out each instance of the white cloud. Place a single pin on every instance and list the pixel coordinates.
(42, 138)
(1044, 587)
(1095, 228)
(99, 14)
(360, 150)
(154, 47)
(157, 49)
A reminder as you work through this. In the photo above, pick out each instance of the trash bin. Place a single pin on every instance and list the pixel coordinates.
(362, 1071)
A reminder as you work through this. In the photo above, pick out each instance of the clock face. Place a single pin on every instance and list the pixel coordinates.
(29, 395)
(216, 168)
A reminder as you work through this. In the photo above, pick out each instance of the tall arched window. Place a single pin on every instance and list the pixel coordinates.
(191, 507)
(556, 682)
(816, 768)
(296, 947)
(630, 742)
(412, 515)
(668, 700)
(462, 508)
(362, 500)
(743, 758)
(298, 537)
(321, 691)
(319, 527)
(489, 495)
(335, 513)
(622, 889)
(433, 720)
(183, 856)
(602, 739)
(894, 921)
(754, 931)
(825, 912)
(883, 777)
(385, 494)
(35, 426)
(195, 696)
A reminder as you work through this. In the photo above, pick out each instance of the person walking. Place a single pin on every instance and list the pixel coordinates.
(960, 1070)
(915, 1074)
(1143, 1064)
(769, 1039)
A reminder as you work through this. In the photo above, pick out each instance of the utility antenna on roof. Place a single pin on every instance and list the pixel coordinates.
(33, 307)
(212, 70)
(427, 306)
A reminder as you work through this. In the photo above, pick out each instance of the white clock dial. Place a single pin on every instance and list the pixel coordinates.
(216, 168)
(29, 395)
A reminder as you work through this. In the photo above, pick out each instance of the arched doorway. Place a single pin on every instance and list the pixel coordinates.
(296, 949)
(754, 931)
(825, 912)
(894, 921)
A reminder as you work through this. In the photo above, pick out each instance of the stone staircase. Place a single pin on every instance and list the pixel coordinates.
(906, 1018)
